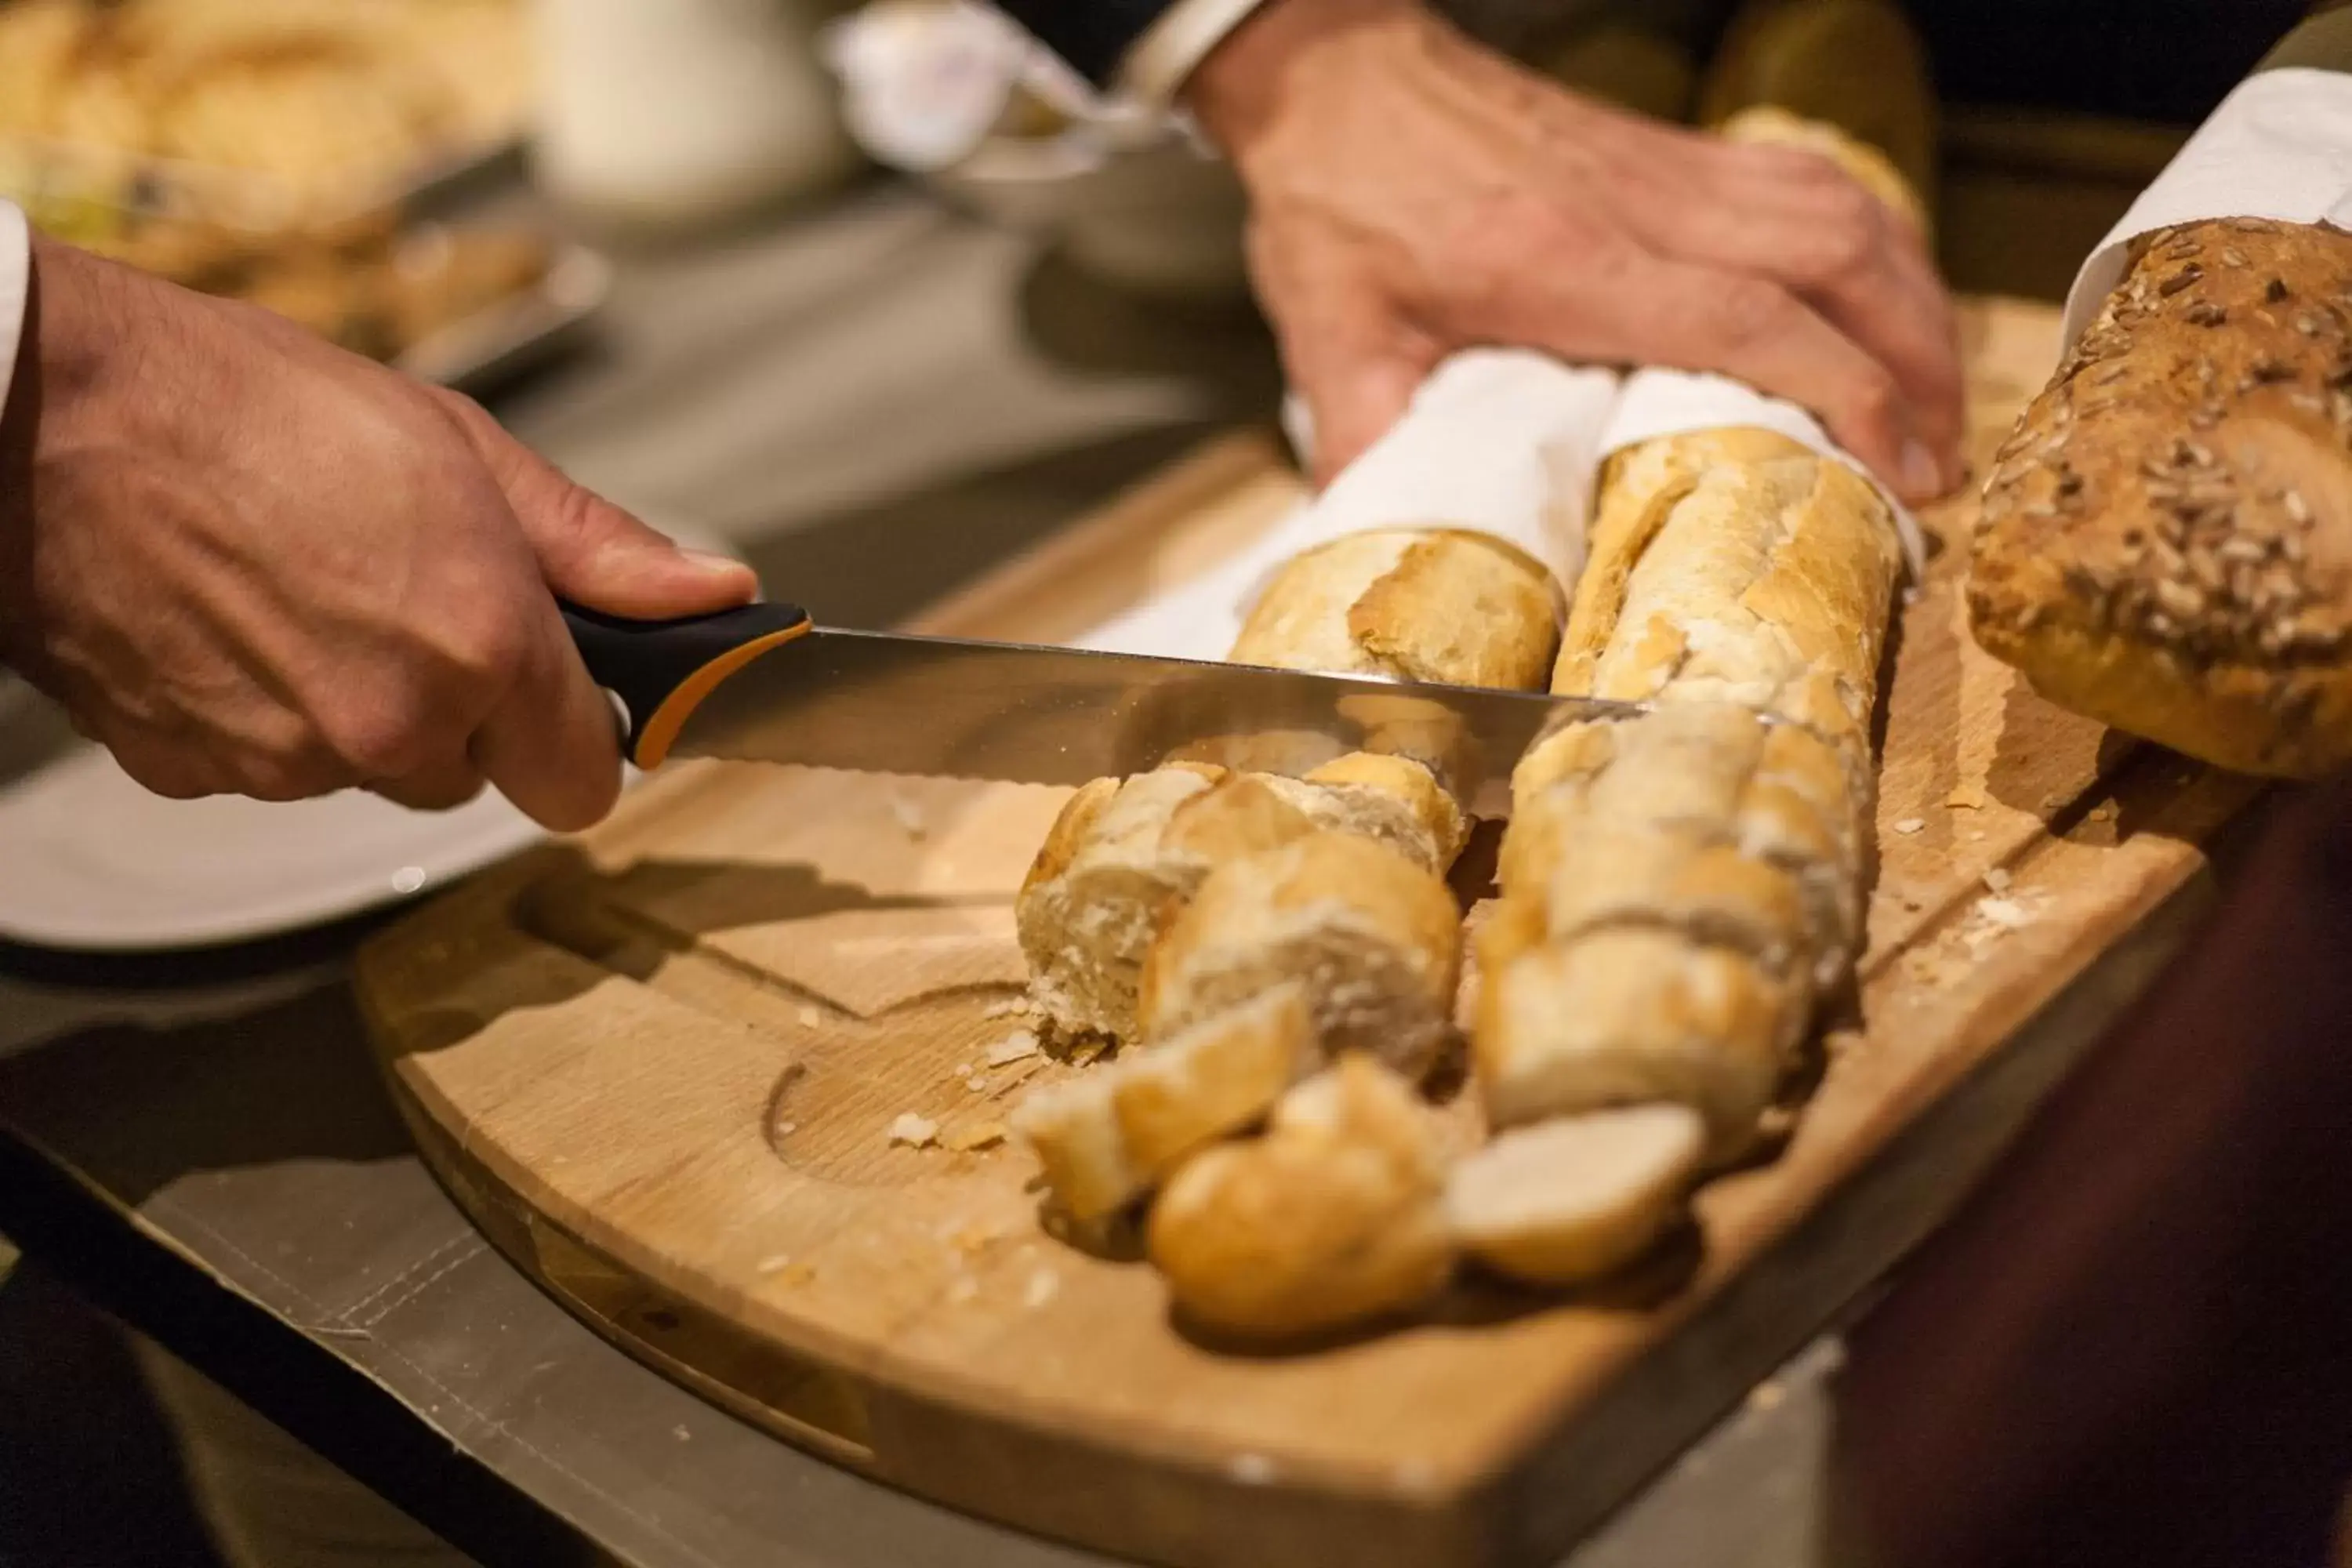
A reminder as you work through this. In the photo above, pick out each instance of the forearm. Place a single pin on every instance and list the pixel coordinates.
(2131, 1345)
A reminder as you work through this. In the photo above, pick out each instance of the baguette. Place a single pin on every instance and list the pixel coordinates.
(1681, 886)
(2166, 542)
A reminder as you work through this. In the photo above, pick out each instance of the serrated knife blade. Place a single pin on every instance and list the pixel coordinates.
(765, 684)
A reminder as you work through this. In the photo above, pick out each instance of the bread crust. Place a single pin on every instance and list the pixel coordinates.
(1374, 939)
(1336, 1215)
(1680, 884)
(1627, 1015)
(2166, 540)
(1432, 604)
(1109, 1136)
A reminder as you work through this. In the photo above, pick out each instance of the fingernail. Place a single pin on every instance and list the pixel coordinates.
(1922, 475)
(712, 561)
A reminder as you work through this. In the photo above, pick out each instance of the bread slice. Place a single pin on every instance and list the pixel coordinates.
(1336, 1215)
(1217, 1078)
(1123, 859)
(1118, 861)
(1627, 1015)
(1392, 800)
(1073, 1128)
(2166, 540)
(1087, 908)
(1371, 938)
(1108, 1137)
(1571, 1200)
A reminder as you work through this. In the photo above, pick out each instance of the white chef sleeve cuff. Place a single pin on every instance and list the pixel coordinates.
(15, 275)
(1179, 38)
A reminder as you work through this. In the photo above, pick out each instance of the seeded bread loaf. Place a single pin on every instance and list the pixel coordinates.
(2166, 539)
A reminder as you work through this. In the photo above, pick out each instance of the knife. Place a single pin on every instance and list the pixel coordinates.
(764, 683)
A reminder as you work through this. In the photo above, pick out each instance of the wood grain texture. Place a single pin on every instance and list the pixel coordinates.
(660, 1067)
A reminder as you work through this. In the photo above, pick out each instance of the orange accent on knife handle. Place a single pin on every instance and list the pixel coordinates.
(661, 671)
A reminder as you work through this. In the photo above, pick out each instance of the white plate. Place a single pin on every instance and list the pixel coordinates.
(90, 862)
(94, 863)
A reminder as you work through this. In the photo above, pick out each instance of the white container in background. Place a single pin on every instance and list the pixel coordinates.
(681, 113)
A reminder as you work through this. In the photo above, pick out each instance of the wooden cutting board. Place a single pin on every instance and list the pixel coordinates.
(660, 1068)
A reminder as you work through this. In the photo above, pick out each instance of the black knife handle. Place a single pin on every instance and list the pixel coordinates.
(661, 671)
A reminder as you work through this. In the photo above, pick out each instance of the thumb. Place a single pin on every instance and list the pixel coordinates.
(592, 552)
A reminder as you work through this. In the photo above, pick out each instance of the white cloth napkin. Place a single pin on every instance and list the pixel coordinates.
(1501, 441)
(2280, 146)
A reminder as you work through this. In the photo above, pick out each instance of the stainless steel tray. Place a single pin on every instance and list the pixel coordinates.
(520, 331)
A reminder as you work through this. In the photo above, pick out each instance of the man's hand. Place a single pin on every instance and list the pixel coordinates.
(1413, 193)
(249, 563)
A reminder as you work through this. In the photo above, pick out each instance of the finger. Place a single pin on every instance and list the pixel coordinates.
(1353, 402)
(549, 742)
(443, 786)
(1648, 310)
(1843, 252)
(160, 767)
(592, 551)
(1355, 372)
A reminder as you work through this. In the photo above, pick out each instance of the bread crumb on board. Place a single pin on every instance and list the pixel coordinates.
(979, 1135)
(1008, 1007)
(1251, 1469)
(810, 1017)
(913, 1130)
(1997, 879)
(1910, 825)
(2007, 913)
(1016, 1047)
(1968, 795)
(1044, 1286)
(910, 815)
